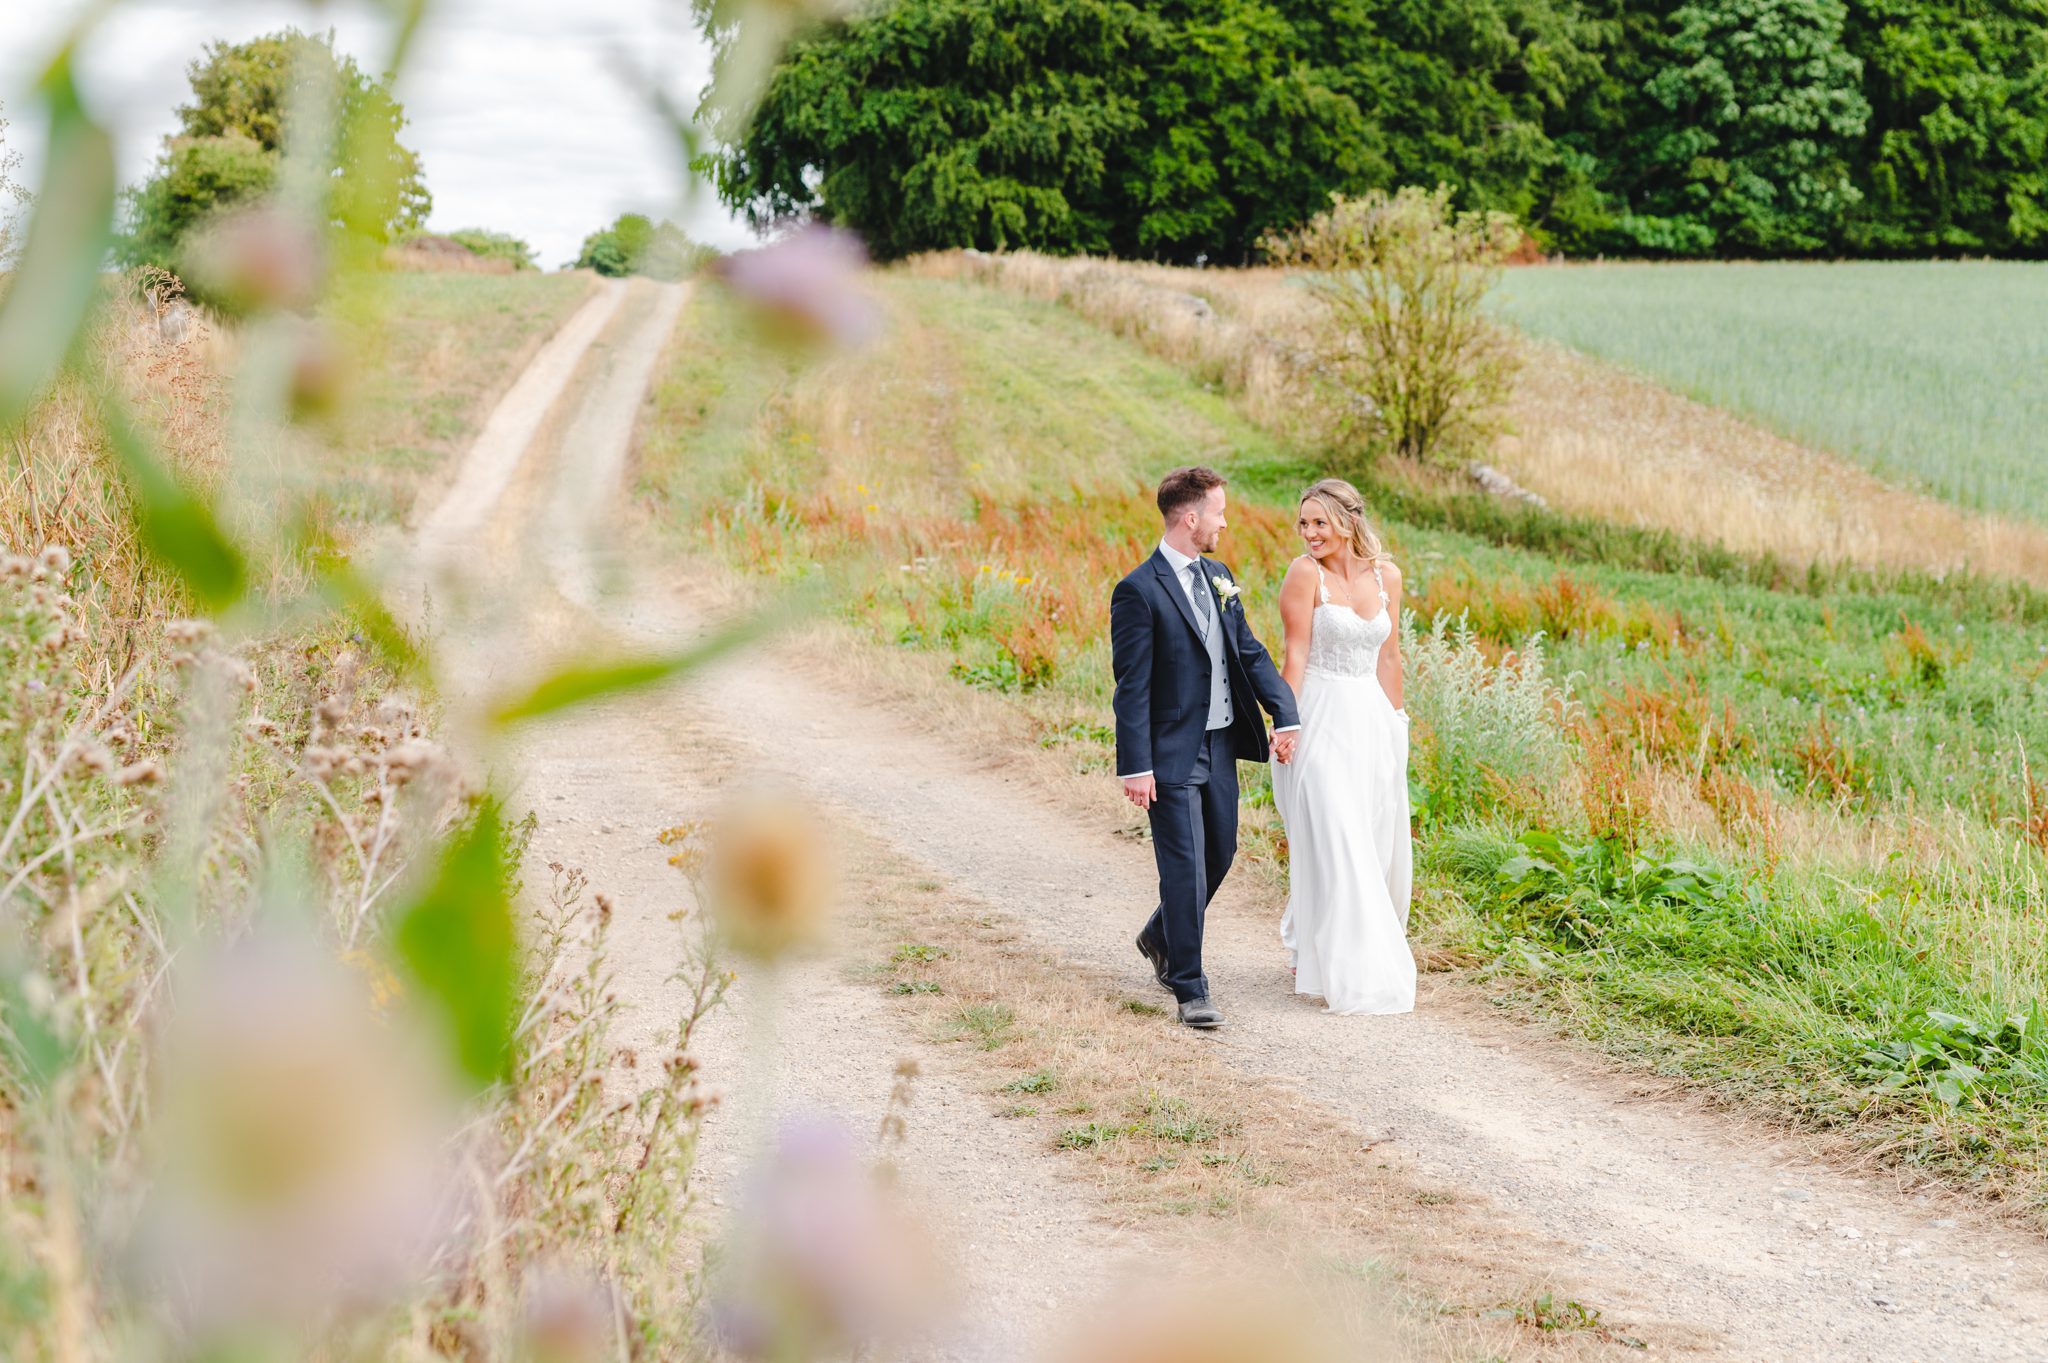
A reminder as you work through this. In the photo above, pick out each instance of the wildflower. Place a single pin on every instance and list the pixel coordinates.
(769, 883)
(569, 1316)
(806, 286)
(821, 1259)
(300, 1165)
(258, 259)
(319, 371)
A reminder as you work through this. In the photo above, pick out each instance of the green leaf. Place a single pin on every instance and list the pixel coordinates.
(457, 942)
(176, 525)
(57, 280)
(32, 1051)
(583, 683)
(351, 591)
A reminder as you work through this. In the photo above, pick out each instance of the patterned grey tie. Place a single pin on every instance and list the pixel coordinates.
(1205, 609)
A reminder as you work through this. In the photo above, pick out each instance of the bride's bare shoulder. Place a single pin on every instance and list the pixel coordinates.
(1390, 573)
(1302, 570)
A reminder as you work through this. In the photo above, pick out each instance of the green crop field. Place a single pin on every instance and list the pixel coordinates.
(1933, 373)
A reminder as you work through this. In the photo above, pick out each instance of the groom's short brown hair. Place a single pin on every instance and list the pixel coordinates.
(1185, 487)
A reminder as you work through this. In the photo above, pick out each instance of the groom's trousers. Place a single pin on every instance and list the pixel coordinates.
(1194, 838)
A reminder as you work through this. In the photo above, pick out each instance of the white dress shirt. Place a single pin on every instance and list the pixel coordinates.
(1180, 563)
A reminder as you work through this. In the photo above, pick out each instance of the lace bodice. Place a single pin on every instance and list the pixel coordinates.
(1342, 643)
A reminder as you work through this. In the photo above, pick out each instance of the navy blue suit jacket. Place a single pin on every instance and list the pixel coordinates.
(1162, 675)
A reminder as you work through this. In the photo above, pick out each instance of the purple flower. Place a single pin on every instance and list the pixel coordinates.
(820, 1258)
(808, 283)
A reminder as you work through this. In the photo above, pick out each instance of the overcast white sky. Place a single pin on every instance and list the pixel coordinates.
(517, 109)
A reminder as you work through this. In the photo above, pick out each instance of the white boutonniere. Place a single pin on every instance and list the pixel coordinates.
(1227, 590)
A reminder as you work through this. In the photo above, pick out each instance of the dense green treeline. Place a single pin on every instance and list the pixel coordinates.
(1180, 131)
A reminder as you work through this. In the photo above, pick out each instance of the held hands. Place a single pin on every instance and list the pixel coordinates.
(1141, 790)
(1283, 746)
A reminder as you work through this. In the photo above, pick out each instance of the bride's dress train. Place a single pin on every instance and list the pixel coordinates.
(1344, 800)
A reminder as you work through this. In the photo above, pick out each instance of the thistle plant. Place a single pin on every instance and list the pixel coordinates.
(292, 1063)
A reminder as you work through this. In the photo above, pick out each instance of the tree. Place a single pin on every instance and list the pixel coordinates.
(1402, 278)
(196, 177)
(234, 134)
(635, 244)
(1741, 132)
(1154, 128)
(1955, 155)
(249, 88)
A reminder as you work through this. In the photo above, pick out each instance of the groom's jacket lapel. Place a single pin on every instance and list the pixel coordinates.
(1210, 572)
(1175, 593)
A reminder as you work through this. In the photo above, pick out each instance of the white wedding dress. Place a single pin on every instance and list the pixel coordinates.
(1344, 800)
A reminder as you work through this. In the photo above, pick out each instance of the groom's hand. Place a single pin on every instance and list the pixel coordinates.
(1283, 746)
(1141, 790)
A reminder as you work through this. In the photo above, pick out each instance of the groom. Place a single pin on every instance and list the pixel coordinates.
(1189, 678)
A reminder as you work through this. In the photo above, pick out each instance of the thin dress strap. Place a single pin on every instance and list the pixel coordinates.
(1383, 583)
(1322, 583)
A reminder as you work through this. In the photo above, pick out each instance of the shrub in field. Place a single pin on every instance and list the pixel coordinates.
(636, 244)
(495, 246)
(1402, 278)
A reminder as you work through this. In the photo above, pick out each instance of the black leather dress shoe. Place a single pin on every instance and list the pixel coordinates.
(1200, 1013)
(1158, 963)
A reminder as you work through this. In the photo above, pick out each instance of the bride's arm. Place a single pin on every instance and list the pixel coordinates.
(1297, 609)
(1391, 680)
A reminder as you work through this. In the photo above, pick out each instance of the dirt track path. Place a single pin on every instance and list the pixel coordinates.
(606, 780)
(1672, 1217)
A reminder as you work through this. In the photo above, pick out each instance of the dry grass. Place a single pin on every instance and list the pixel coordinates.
(56, 486)
(1587, 436)
(1594, 439)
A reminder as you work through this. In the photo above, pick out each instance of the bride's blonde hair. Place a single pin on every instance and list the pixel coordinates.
(1347, 512)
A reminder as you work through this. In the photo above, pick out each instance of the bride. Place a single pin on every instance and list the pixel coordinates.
(1344, 798)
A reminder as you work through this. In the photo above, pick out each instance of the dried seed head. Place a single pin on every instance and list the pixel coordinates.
(14, 566)
(411, 760)
(188, 632)
(56, 560)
